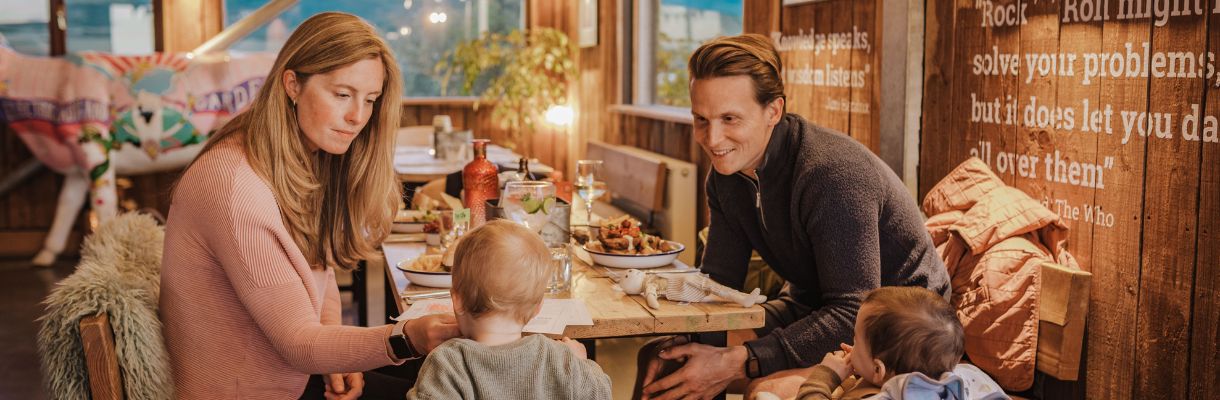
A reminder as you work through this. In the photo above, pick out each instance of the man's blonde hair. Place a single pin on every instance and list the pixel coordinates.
(501, 267)
(750, 55)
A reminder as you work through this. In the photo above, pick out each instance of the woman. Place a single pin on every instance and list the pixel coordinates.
(822, 210)
(297, 185)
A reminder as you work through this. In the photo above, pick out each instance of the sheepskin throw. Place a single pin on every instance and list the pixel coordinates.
(119, 274)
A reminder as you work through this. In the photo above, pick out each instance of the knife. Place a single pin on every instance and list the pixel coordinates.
(412, 298)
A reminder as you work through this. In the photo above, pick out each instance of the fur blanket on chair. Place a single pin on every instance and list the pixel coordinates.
(119, 274)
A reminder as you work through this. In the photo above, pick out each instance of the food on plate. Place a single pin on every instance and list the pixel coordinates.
(622, 235)
(429, 263)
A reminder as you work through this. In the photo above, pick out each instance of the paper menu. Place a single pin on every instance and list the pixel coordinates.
(555, 316)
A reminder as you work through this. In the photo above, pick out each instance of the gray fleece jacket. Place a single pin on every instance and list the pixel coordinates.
(831, 219)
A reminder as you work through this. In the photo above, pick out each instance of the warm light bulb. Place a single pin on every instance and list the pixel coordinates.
(559, 115)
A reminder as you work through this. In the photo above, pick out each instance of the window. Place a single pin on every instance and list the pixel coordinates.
(24, 26)
(113, 26)
(670, 30)
(418, 31)
(118, 27)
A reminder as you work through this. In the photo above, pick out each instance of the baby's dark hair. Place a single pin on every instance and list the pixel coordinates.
(912, 329)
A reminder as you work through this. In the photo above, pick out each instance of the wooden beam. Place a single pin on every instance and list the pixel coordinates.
(187, 24)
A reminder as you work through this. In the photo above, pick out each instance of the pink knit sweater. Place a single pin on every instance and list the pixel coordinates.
(244, 316)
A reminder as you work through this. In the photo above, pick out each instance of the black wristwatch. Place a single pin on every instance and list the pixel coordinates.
(752, 368)
(401, 344)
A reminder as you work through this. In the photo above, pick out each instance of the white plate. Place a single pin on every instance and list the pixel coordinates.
(636, 261)
(423, 278)
(407, 227)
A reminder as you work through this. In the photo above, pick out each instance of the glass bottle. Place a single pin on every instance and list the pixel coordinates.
(480, 183)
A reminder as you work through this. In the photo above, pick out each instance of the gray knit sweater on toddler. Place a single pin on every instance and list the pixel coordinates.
(533, 367)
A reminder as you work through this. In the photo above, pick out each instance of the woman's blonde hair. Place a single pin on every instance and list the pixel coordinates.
(501, 267)
(337, 208)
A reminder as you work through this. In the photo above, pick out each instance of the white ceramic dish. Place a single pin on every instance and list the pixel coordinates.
(636, 261)
(407, 227)
(408, 221)
(425, 278)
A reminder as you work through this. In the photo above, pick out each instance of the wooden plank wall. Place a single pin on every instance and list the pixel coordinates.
(831, 52)
(1146, 225)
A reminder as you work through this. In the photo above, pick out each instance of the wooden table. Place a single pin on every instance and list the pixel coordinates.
(614, 313)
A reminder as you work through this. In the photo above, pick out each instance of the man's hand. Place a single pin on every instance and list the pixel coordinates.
(707, 371)
(344, 386)
(577, 348)
(655, 364)
(430, 331)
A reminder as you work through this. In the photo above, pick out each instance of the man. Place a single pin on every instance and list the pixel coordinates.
(824, 212)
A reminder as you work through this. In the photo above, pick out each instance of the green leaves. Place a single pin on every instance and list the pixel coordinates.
(530, 70)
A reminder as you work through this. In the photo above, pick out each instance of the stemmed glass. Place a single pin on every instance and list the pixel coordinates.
(528, 203)
(588, 184)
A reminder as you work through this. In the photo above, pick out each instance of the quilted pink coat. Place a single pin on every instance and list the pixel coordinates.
(993, 239)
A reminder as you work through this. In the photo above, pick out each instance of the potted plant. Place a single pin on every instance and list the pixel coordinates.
(525, 72)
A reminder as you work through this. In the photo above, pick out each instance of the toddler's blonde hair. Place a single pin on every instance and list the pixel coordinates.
(501, 267)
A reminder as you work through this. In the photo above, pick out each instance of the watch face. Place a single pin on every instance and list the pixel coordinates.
(402, 348)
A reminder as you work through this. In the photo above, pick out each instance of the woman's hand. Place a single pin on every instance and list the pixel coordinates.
(344, 386)
(430, 331)
(577, 348)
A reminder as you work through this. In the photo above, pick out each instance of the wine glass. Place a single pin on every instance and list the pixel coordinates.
(529, 203)
(588, 185)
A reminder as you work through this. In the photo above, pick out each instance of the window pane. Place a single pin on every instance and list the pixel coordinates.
(114, 26)
(419, 31)
(682, 25)
(24, 26)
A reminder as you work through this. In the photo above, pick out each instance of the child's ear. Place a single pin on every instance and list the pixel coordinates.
(879, 370)
(456, 301)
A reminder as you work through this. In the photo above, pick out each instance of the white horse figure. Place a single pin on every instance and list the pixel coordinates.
(91, 115)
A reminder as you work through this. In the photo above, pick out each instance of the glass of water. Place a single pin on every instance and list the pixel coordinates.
(561, 275)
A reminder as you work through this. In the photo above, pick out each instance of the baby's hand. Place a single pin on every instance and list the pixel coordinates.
(838, 362)
(576, 348)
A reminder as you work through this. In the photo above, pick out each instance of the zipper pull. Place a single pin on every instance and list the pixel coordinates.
(758, 199)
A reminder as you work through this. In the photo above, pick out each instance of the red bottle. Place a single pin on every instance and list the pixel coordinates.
(480, 182)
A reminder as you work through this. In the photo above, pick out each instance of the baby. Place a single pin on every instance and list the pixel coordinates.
(908, 345)
(499, 275)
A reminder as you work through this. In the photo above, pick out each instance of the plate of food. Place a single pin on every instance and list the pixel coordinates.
(432, 270)
(619, 243)
(413, 221)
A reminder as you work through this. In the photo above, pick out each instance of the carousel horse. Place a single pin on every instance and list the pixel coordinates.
(90, 116)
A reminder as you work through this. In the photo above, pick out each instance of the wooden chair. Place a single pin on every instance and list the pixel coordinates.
(101, 359)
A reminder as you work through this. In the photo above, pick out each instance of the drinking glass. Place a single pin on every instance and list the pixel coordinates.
(528, 203)
(589, 185)
(561, 275)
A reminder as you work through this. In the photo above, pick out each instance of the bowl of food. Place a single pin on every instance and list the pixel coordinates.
(621, 244)
(429, 270)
